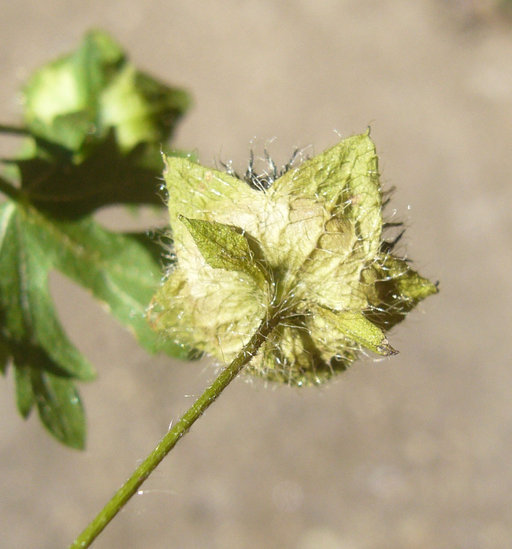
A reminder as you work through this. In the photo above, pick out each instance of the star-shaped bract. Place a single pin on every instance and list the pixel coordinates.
(309, 248)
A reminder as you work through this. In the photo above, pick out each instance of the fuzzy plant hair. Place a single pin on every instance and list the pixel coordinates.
(303, 245)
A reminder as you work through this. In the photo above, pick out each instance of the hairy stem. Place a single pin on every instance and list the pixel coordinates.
(168, 442)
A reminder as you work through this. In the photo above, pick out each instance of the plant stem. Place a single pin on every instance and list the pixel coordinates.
(168, 442)
(14, 130)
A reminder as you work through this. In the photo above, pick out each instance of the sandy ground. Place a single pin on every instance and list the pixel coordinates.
(408, 453)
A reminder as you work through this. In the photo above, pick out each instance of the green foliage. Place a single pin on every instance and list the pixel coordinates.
(69, 190)
(95, 129)
(304, 257)
(75, 101)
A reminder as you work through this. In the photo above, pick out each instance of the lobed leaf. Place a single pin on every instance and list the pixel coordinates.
(120, 270)
(96, 126)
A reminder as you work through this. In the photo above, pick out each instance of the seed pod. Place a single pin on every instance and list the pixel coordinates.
(309, 247)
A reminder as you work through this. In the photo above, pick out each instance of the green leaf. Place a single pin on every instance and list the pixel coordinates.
(68, 190)
(355, 326)
(25, 398)
(121, 270)
(70, 87)
(140, 108)
(225, 247)
(60, 408)
(78, 99)
(4, 355)
(98, 127)
(25, 302)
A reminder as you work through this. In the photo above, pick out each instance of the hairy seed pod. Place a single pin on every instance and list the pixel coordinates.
(308, 247)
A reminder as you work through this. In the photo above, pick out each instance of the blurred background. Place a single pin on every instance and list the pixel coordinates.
(412, 452)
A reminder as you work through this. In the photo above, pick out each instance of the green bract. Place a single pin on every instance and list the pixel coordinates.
(308, 249)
